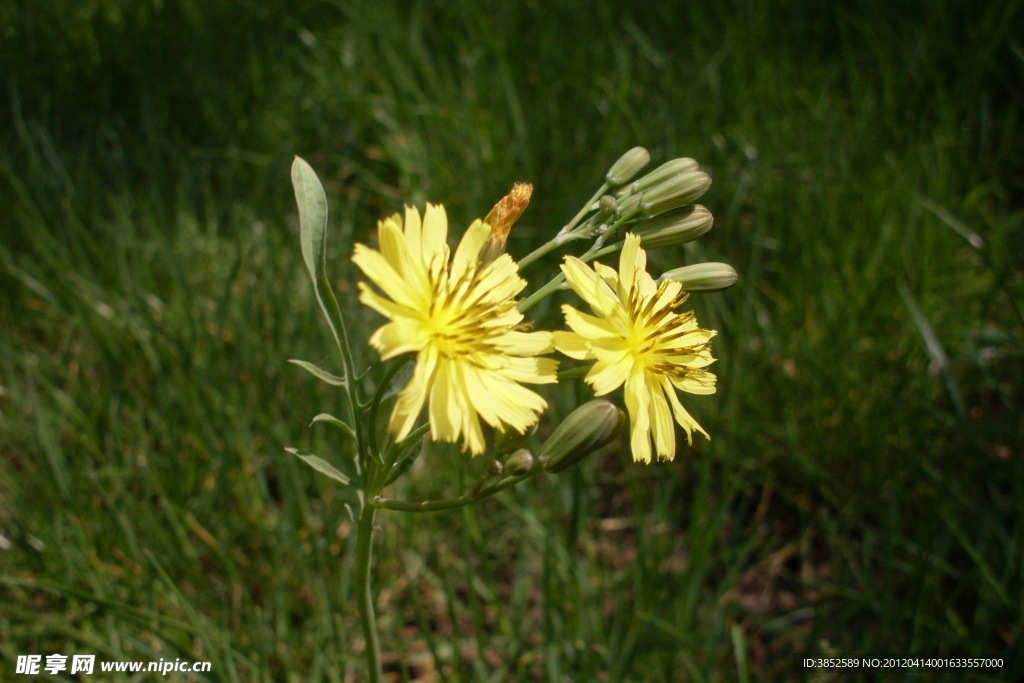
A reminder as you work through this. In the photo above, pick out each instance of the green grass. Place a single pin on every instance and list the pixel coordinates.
(862, 495)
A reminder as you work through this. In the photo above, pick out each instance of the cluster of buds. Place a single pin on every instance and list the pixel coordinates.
(658, 206)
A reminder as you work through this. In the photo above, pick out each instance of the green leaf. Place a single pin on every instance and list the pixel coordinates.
(331, 420)
(309, 195)
(320, 465)
(319, 372)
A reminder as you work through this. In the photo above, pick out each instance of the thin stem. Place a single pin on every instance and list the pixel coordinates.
(364, 594)
(549, 246)
(449, 503)
(585, 210)
(350, 369)
(556, 283)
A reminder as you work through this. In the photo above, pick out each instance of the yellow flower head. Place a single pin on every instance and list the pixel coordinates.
(638, 339)
(459, 316)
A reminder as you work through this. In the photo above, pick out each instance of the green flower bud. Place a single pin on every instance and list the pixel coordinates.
(628, 165)
(628, 205)
(607, 206)
(520, 462)
(586, 429)
(703, 277)
(677, 191)
(674, 227)
(666, 171)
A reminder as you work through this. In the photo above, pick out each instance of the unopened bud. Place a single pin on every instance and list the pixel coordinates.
(628, 205)
(520, 462)
(703, 277)
(674, 227)
(667, 170)
(494, 468)
(628, 165)
(677, 191)
(607, 206)
(586, 429)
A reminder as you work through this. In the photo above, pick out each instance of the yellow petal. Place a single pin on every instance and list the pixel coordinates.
(467, 254)
(637, 405)
(589, 326)
(608, 375)
(435, 235)
(661, 422)
(591, 288)
(376, 267)
(410, 399)
(525, 343)
(394, 339)
(572, 345)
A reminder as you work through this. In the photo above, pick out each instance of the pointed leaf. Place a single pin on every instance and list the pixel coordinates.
(330, 419)
(319, 372)
(320, 465)
(309, 195)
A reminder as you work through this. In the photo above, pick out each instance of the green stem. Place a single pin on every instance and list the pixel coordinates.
(585, 210)
(553, 285)
(364, 594)
(548, 246)
(449, 503)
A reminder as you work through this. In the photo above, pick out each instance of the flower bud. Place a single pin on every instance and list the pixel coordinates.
(667, 170)
(520, 462)
(628, 205)
(607, 206)
(674, 227)
(586, 429)
(676, 191)
(628, 165)
(703, 277)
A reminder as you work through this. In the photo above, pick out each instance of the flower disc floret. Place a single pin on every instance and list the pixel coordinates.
(459, 317)
(638, 340)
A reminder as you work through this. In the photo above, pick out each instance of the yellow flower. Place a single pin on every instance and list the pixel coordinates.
(638, 340)
(459, 317)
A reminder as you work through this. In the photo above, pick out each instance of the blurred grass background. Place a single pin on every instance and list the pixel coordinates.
(863, 493)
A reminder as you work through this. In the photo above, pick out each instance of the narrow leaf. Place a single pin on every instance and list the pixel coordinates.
(309, 195)
(319, 372)
(331, 420)
(320, 465)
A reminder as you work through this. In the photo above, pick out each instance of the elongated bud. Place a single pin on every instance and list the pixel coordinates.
(586, 429)
(703, 277)
(674, 227)
(677, 191)
(520, 462)
(667, 170)
(628, 165)
(503, 216)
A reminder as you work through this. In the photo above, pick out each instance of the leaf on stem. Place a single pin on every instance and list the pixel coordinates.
(331, 420)
(319, 372)
(320, 465)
